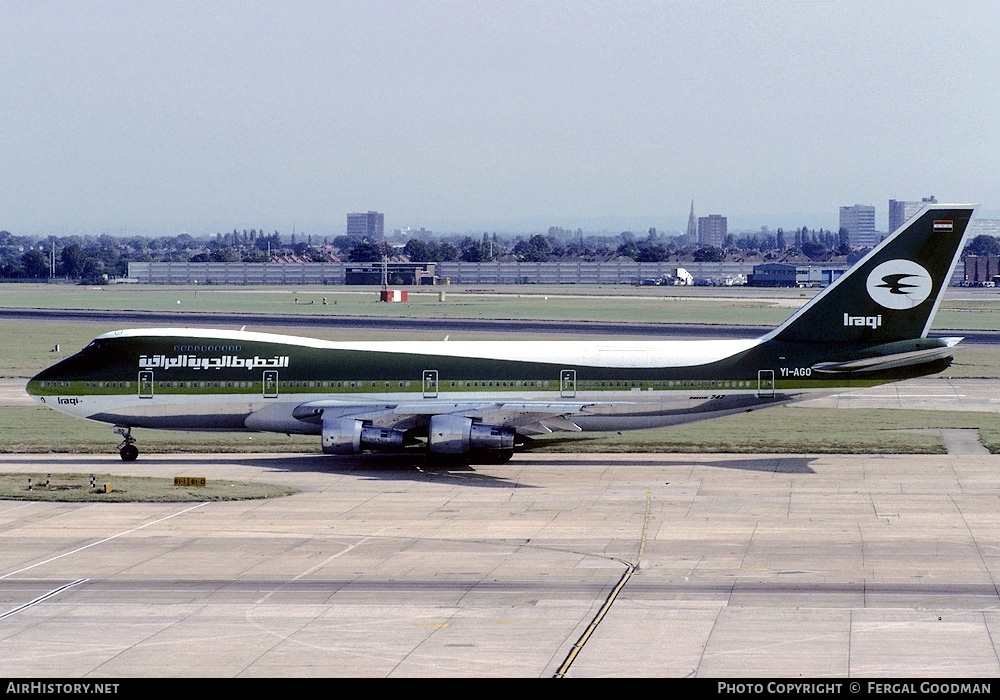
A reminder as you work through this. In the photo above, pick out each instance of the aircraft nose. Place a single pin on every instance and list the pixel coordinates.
(34, 385)
(37, 385)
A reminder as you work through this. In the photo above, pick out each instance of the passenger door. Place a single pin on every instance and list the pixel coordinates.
(270, 384)
(145, 384)
(765, 383)
(567, 383)
(430, 383)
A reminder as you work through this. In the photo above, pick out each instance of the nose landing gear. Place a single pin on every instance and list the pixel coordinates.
(127, 449)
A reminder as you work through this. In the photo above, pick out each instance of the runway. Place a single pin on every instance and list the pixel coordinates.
(695, 566)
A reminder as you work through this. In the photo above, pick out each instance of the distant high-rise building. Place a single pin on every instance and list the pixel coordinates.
(859, 222)
(370, 225)
(900, 212)
(712, 230)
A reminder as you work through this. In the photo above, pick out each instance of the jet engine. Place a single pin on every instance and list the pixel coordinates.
(451, 434)
(348, 436)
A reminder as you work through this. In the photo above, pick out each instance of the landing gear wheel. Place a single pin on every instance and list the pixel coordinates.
(127, 448)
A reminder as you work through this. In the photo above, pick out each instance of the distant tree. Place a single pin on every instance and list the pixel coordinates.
(814, 250)
(72, 259)
(475, 251)
(432, 251)
(709, 254)
(304, 250)
(267, 242)
(365, 251)
(651, 253)
(983, 244)
(226, 255)
(628, 249)
(446, 252)
(256, 256)
(843, 238)
(535, 249)
(94, 270)
(12, 268)
(35, 264)
(343, 242)
(420, 251)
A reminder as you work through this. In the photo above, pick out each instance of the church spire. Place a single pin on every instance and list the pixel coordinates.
(692, 223)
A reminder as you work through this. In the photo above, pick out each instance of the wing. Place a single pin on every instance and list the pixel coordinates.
(526, 417)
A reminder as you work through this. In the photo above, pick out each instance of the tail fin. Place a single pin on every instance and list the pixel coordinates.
(893, 292)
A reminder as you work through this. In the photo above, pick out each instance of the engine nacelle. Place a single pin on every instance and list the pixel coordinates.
(348, 436)
(451, 434)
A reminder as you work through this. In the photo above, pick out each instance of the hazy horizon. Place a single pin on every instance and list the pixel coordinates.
(177, 116)
(638, 225)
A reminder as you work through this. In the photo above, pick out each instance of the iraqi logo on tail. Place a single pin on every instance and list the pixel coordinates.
(899, 284)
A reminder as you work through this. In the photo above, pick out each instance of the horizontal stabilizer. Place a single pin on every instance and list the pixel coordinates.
(884, 362)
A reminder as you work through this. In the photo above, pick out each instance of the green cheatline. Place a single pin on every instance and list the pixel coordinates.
(26, 349)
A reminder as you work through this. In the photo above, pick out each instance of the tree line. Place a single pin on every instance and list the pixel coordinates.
(101, 257)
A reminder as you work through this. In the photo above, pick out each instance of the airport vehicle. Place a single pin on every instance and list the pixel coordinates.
(480, 401)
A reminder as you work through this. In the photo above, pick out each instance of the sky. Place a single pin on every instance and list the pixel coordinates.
(160, 118)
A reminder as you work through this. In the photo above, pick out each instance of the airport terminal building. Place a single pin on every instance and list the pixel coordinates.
(791, 275)
(485, 274)
(477, 274)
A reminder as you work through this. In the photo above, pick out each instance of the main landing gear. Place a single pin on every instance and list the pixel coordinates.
(127, 448)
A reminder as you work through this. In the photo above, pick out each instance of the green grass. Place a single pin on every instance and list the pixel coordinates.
(74, 488)
(974, 362)
(518, 303)
(37, 429)
(686, 305)
(794, 429)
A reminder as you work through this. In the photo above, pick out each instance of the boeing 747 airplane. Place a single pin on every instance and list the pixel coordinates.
(480, 401)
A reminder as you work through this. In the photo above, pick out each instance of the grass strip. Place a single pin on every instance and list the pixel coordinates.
(792, 429)
(117, 488)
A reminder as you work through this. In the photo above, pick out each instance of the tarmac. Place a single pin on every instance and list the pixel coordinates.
(569, 565)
